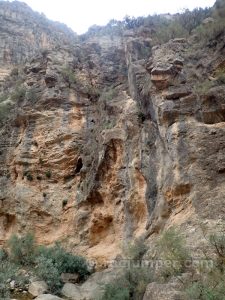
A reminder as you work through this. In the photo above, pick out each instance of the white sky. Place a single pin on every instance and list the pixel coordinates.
(81, 14)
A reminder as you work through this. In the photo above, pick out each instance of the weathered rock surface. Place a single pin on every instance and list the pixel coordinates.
(25, 33)
(91, 289)
(156, 291)
(37, 288)
(48, 297)
(110, 140)
(72, 291)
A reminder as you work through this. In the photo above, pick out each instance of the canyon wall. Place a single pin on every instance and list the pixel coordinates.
(111, 140)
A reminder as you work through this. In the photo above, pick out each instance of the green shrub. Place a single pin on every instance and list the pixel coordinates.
(220, 9)
(22, 249)
(210, 286)
(3, 97)
(211, 281)
(135, 250)
(5, 106)
(145, 86)
(138, 279)
(28, 175)
(133, 281)
(19, 93)
(169, 30)
(48, 271)
(180, 27)
(145, 52)
(41, 161)
(7, 271)
(14, 72)
(192, 19)
(130, 285)
(109, 94)
(202, 88)
(3, 255)
(4, 111)
(109, 124)
(172, 250)
(32, 94)
(217, 241)
(68, 75)
(90, 90)
(48, 263)
(48, 174)
(220, 77)
(116, 291)
(210, 32)
(64, 261)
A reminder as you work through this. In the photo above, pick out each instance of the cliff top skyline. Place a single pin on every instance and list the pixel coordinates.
(79, 16)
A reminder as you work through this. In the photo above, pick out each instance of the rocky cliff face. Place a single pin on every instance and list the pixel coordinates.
(24, 33)
(111, 139)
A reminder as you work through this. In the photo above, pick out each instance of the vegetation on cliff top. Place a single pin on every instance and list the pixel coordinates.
(161, 27)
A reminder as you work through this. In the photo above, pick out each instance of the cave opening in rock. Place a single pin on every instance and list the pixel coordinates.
(79, 165)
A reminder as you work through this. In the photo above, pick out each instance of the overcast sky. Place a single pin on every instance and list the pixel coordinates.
(81, 14)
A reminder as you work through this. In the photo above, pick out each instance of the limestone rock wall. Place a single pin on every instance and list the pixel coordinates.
(24, 33)
(122, 149)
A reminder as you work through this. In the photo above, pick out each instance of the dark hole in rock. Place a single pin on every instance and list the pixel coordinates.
(95, 198)
(221, 170)
(35, 70)
(50, 81)
(79, 165)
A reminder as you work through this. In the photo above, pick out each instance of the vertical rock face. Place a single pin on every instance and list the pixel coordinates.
(188, 123)
(24, 33)
(110, 141)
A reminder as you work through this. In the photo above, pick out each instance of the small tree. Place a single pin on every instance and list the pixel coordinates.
(22, 249)
(48, 174)
(211, 281)
(217, 240)
(19, 93)
(130, 285)
(68, 75)
(173, 252)
(192, 19)
(135, 250)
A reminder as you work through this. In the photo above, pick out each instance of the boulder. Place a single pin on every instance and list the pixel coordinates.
(37, 288)
(157, 291)
(163, 74)
(72, 291)
(12, 284)
(92, 288)
(48, 297)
